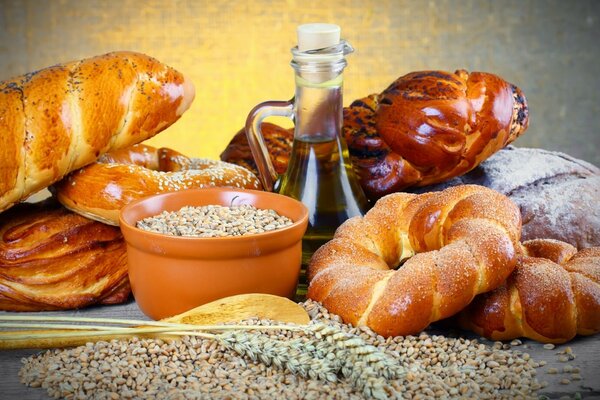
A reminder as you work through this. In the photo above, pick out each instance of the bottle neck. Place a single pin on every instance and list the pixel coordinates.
(318, 103)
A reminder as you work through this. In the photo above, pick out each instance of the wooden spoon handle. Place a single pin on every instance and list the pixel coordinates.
(48, 339)
(49, 342)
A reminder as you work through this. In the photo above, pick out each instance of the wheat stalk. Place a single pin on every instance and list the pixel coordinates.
(325, 352)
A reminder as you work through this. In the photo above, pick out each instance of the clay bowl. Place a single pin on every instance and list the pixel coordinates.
(173, 274)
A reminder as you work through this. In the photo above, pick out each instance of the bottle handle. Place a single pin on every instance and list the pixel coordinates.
(267, 174)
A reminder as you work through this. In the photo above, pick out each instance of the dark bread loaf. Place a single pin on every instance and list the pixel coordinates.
(277, 139)
(559, 195)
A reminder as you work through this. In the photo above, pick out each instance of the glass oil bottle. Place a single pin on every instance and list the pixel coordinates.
(319, 172)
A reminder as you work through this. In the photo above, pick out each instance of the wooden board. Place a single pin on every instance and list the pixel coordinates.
(586, 349)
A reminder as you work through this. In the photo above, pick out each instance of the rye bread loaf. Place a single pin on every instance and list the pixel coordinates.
(558, 195)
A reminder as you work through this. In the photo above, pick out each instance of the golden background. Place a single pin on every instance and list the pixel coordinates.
(238, 52)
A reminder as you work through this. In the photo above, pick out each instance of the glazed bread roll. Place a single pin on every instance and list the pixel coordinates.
(63, 117)
(277, 139)
(430, 126)
(130, 174)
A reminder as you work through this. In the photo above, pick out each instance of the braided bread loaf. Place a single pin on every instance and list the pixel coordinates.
(430, 126)
(141, 171)
(552, 295)
(426, 127)
(53, 259)
(277, 139)
(63, 117)
(456, 243)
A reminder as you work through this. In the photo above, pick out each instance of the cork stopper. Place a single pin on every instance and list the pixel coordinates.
(317, 36)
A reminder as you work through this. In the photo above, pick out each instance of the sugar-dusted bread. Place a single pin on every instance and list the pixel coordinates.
(457, 244)
(552, 295)
(63, 117)
(558, 195)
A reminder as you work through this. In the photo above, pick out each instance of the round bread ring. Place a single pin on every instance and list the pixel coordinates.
(457, 243)
(100, 190)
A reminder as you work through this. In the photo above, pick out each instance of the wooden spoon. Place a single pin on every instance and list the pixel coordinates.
(244, 306)
(229, 309)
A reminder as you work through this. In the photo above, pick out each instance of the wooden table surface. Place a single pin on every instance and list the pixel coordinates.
(586, 349)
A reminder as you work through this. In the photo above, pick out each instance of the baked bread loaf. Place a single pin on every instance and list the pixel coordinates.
(53, 259)
(426, 127)
(138, 172)
(552, 295)
(558, 195)
(456, 243)
(63, 117)
(429, 126)
(277, 139)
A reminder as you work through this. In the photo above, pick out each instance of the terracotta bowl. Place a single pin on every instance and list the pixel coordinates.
(172, 274)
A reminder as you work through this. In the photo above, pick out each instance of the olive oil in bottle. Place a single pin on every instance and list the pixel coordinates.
(320, 176)
(319, 172)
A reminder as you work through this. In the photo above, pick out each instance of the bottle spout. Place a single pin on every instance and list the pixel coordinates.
(317, 36)
(320, 43)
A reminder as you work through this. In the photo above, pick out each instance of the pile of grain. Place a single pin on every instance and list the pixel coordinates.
(215, 221)
(434, 367)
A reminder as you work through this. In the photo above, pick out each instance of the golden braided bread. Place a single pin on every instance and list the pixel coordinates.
(430, 126)
(457, 243)
(552, 295)
(426, 127)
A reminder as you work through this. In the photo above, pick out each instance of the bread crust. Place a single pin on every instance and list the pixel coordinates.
(277, 139)
(429, 126)
(61, 118)
(552, 295)
(556, 193)
(450, 246)
(140, 171)
(53, 259)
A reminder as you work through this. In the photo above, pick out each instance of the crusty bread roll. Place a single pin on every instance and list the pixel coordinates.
(53, 259)
(63, 117)
(430, 126)
(459, 243)
(558, 195)
(552, 295)
(426, 127)
(130, 174)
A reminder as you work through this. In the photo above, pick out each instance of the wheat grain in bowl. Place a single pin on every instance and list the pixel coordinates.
(215, 221)
(171, 274)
